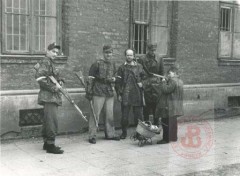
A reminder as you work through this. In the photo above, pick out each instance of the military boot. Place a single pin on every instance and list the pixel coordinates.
(51, 148)
(45, 146)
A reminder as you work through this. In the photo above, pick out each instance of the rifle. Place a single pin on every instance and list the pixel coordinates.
(65, 93)
(159, 76)
(80, 77)
(150, 73)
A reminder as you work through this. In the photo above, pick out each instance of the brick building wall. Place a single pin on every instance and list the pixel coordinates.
(197, 44)
(86, 26)
(89, 24)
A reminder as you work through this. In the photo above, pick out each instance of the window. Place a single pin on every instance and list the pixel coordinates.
(29, 25)
(229, 31)
(150, 25)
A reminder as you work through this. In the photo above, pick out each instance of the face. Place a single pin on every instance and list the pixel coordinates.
(171, 74)
(129, 56)
(152, 52)
(52, 53)
(107, 55)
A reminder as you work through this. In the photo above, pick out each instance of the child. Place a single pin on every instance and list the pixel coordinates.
(170, 104)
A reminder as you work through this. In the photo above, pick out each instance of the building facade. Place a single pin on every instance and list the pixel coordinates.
(201, 37)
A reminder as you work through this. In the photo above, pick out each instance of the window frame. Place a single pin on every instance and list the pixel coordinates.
(132, 21)
(232, 5)
(30, 34)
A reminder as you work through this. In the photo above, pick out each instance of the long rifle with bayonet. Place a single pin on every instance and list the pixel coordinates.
(65, 93)
(61, 89)
(81, 79)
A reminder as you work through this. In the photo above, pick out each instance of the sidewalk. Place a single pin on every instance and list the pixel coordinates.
(209, 148)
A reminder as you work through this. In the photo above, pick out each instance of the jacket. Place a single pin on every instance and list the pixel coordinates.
(47, 93)
(151, 65)
(100, 79)
(170, 103)
(128, 75)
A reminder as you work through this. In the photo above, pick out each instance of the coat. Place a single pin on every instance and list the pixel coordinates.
(47, 93)
(151, 65)
(100, 79)
(128, 75)
(170, 103)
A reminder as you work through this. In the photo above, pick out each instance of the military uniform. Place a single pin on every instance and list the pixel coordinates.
(151, 64)
(101, 89)
(128, 76)
(49, 98)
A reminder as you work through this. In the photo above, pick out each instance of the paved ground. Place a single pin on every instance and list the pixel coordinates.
(203, 148)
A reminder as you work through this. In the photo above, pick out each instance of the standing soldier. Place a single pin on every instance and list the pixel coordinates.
(50, 97)
(151, 64)
(100, 89)
(129, 90)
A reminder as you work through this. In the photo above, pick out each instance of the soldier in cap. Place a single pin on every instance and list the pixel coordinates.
(151, 64)
(100, 87)
(49, 97)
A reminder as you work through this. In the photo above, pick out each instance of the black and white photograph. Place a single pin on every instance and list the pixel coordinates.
(120, 87)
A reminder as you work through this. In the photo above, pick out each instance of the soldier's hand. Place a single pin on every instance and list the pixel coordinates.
(89, 96)
(55, 89)
(119, 98)
(113, 79)
(61, 83)
(140, 84)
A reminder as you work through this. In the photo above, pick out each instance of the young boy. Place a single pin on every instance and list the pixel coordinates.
(170, 104)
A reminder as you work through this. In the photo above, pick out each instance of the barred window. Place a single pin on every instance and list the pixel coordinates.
(229, 33)
(29, 26)
(225, 22)
(150, 25)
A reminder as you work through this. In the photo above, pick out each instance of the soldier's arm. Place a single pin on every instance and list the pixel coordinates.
(93, 72)
(42, 73)
(119, 81)
(161, 66)
(168, 87)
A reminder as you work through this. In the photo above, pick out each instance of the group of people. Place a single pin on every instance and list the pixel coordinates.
(140, 85)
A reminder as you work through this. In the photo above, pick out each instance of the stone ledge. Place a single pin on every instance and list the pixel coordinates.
(228, 62)
(190, 86)
(82, 90)
(35, 91)
(28, 59)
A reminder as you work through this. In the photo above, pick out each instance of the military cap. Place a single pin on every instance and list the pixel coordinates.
(53, 45)
(107, 48)
(173, 68)
(152, 46)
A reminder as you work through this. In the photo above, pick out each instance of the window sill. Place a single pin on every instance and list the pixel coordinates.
(28, 59)
(169, 60)
(228, 62)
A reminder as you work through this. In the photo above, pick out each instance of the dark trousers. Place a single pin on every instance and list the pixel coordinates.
(137, 113)
(149, 109)
(170, 128)
(50, 123)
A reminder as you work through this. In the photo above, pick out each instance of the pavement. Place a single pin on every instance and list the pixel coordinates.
(210, 147)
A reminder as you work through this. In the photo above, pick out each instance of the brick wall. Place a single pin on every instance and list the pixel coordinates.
(86, 26)
(197, 44)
